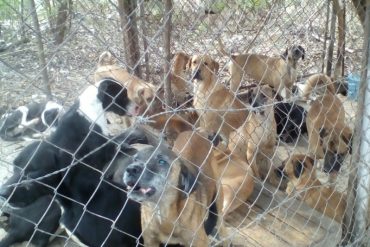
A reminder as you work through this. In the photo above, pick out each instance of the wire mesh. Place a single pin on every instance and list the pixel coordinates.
(281, 165)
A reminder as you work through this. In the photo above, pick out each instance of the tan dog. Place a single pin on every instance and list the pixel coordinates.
(299, 169)
(180, 197)
(329, 136)
(255, 140)
(235, 174)
(278, 72)
(180, 88)
(138, 90)
(237, 179)
(218, 109)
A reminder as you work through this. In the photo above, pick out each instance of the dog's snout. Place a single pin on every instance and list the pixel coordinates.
(197, 75)
(134, 170)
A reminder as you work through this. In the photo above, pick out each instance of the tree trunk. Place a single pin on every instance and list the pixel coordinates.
(339, 8)
(40, 50)
(61, 24)
(126, 9)
(145, 41)
(22, 30)
(49, 15)
(325, 36)
(329, 61)
(167, 49)
(360, 6)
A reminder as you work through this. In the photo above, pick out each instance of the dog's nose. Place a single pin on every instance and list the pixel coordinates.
(134, 170)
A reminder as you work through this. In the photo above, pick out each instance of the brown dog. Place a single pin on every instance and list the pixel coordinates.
(180, 88)
(180, 197)
(278, 72)
(299, 169)
(237, 179)
(255, 140)
(218, 109)
(329, 136)
(138, 90)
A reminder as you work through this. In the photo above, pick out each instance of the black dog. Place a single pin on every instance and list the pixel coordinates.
(44, 212)
(290, 121)
(70, 164)
(29, 120)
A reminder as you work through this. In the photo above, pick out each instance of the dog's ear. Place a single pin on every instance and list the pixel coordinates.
(215, 66)
(298, 168)
(188, 64)
(347, 137)
(303, 51)
(113, 96)
(146, 93)
(323, 133)
(285, 54)
(310, 160)
(186, 180)
(187, 59)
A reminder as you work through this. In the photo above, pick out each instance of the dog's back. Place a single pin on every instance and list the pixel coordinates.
(184, 147)
(320, 83)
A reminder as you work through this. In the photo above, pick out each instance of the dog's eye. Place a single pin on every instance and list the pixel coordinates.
(194, 62)
(206, 64)
(162, 162)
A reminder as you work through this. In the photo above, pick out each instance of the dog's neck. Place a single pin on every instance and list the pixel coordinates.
(92, 108)
(292, 63)
(306, 185)
(203, 88)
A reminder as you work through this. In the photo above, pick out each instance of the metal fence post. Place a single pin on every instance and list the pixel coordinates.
(361, 189)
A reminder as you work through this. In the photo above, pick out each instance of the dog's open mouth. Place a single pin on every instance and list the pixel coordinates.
(147, 191)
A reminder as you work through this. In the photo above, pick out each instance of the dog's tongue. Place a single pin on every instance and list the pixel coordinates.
(145, 190)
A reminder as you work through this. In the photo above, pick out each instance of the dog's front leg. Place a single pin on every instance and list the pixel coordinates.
(150, 240)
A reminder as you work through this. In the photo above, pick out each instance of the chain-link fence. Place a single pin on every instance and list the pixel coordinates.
(248, 125)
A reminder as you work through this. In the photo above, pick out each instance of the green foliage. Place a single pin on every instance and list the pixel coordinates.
(7, 9)
(251, 4)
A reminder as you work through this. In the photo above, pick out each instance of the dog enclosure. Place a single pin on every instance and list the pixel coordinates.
(49, 50)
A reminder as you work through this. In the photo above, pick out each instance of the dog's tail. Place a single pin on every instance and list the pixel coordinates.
(106, 58)
(222, 47)
(318, 80)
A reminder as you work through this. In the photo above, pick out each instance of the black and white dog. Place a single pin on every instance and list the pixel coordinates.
(29, 120)
(71, 165)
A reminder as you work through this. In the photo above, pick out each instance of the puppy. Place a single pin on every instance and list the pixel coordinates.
(236, 177)
(180, 87)
(138, 90)
(30, 120)
(278, 72)
(299, 169)
(328, 134)
(180, 198)
(290, 121)
(255, 140)
(220, 112)
(35, 223)
(70, 163)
